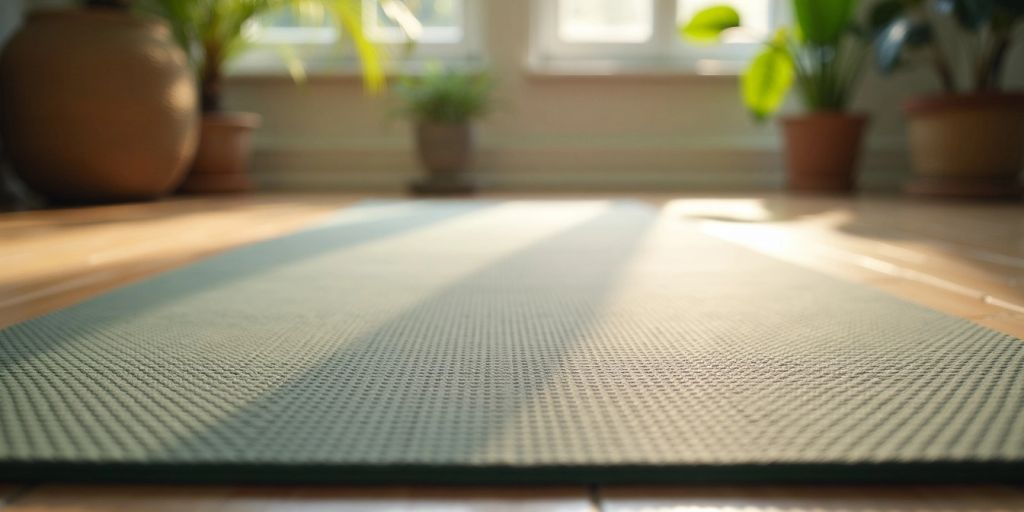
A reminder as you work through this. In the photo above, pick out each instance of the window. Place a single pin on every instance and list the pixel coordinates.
(757, 15)
(443, 30)
(605, 21)
(285, 26)
(434, 21)
(644, 33)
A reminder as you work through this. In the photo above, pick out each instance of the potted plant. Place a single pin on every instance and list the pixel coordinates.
(968, 140)
(212, 32)
(98, 104)
(823, 57)
(442, 106)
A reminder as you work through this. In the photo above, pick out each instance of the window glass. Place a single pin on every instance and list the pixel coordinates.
(756, 16)
(385, 21)
(605, 21)
(428, 21)
(287, 25)
(308, 16)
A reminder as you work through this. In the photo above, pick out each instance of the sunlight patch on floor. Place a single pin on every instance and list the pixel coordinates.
(726, 209)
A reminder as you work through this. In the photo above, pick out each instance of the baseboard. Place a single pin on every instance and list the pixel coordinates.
(599, 168)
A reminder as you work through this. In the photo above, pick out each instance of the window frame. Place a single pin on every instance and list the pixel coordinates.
(395, 37)
(665, 49)
(319, 50)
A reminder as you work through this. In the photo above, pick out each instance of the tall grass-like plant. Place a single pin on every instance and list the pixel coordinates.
(212, 32)
(979, 35)
(822, 55)
(445, 97)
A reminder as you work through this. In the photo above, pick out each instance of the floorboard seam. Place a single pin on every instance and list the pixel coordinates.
(594, 496)
(15, 495)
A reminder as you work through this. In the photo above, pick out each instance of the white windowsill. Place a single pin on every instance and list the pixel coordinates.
(347, 68)
(632, 68)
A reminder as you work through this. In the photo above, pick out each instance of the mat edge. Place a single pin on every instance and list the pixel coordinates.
(870, 473)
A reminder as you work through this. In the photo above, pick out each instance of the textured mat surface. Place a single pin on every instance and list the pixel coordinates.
(506, 341)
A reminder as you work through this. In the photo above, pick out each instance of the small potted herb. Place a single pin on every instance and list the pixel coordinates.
(442, 106)
(822, 56)
(968, 139)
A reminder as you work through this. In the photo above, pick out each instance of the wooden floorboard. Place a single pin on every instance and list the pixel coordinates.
(812, 499)
(10, 492)
(965, 259)
(52, 259)
(927, 263)
(300, 499)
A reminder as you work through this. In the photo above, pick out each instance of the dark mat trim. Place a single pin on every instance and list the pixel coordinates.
(917, 473)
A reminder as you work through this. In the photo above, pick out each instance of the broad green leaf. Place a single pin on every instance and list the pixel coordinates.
(970, 14)
(823, 22)
(212, 32)
(766, 82)
(883, 13)
(348, 14)
(708, 24)
(1006, 14)
(1013, 8)
(900, 34)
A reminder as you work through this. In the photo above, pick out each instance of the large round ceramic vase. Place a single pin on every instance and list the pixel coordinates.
(969, 146)
(98, 105)
(822, 151)
(445, 152)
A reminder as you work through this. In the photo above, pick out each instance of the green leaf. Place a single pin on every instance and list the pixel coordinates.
(347, 14)
(970, 14)
(883, 13)
(891, 41)
(1006, 14)
(445, 96)
(766, 82)
(823, 22)
(708, 24)
(1012, 8)
(212, 32)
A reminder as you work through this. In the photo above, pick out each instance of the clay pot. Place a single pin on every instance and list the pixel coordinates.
(966, 145)
(822, 151)
(222, 160)
(98, 105)
(445, 151)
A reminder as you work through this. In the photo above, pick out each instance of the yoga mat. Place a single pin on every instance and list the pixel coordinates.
(506, 342)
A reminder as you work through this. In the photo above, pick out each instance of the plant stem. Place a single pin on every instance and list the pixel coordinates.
(990, 66)
(803, 75)
(940, 62)
(211, 82)
(995, 75)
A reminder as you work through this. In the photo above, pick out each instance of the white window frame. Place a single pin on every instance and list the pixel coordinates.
(431, 36)
(664, 50)
(320, 53)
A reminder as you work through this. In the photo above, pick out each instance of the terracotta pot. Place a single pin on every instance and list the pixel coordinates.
(222, 160)
(98, 105)
(966, 145)
(822, 151)
(446, 152)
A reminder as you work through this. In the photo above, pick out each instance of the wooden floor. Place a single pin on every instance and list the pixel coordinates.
(961, 258)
